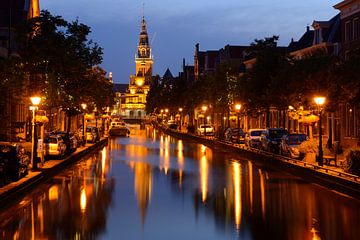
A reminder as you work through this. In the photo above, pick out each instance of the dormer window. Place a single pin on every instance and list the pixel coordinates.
(317, 36)
(348, 31)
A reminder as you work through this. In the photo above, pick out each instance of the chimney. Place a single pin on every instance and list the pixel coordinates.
(307, 28)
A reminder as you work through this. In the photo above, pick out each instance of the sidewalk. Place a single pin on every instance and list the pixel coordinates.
(44, 172)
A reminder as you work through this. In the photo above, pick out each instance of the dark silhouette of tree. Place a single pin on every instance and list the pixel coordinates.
(62, 64)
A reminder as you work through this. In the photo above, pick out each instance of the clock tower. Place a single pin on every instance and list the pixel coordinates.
(139, 86)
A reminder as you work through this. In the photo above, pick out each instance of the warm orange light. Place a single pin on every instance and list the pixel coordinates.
(83, 105)
(180, 109)
(166, 110)
(237, 193)
(35, 100)
(237, 107)
(162, 110)
(204, 172)
(83, 200)
(54, 193)
(204, 108)
(319, 100)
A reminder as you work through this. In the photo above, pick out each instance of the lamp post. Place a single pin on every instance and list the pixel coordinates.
(204, 108)
(238, 108)
(180, 111)
(83, 105)
(320, 102)
(35, 101)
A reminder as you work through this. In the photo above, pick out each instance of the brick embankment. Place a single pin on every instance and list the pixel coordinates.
(330, 177)
(50, 168)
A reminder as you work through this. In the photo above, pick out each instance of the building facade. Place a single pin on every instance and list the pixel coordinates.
(14, 104)
(133, 102)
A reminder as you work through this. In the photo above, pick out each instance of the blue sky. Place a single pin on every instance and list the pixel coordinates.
(175, 26)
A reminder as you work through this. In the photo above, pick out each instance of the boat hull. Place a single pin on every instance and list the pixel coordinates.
(119, 132)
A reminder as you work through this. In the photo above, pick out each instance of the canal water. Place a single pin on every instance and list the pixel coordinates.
(153, 186)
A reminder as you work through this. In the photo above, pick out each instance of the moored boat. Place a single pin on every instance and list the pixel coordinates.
(119, 129)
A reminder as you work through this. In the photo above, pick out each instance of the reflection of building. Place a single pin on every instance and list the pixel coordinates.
(133, 102)
(143, 186)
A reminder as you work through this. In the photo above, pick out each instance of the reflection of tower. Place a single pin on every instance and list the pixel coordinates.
(143, 187)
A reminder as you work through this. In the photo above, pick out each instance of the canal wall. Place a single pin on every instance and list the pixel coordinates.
(16, 189)
(329, 177)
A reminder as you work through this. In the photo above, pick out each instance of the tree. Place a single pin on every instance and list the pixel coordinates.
(62, 64)
(261, 84)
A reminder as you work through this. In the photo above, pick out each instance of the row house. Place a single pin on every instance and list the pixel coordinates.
(325, 36)
(350, 40)
(14, 107)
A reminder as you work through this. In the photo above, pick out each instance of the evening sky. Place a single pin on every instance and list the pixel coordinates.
(175, 26)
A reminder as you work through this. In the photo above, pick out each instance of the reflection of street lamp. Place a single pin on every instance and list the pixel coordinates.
(320, 102)
(162, 115)
(35, 102)
(204, 108)
(238, 108)
(83, 105)
(180, 111)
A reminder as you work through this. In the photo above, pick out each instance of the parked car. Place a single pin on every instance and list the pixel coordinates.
(69, 139)
(252, 138)
(54, 145)
(205, 129)
(270, 139)
(289, 145)
(14, 161)
(92, 134)
(237, 135)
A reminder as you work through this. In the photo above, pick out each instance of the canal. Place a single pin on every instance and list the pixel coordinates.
(153, 186)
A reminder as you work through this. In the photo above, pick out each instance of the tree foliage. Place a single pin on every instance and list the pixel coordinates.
(62, 63)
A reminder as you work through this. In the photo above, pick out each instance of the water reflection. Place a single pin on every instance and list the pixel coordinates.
(237, 192)
(180, 158)
(168, 188)
(74, 205)
(143, 186)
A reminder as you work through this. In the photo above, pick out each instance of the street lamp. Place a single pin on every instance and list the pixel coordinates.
(238, 108)
(180, 110)
(320, 101)
(35, 101)
(83, 105)
(204, 108)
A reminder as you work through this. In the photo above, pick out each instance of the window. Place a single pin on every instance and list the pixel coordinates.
(348, 31)
(356, 23)
(318, 38)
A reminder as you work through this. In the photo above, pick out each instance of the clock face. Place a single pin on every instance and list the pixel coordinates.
(139, 82)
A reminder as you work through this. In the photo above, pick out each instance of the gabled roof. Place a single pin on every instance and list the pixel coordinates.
(304, 42)
(343, 4)
(168, 74)
(330, 29)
